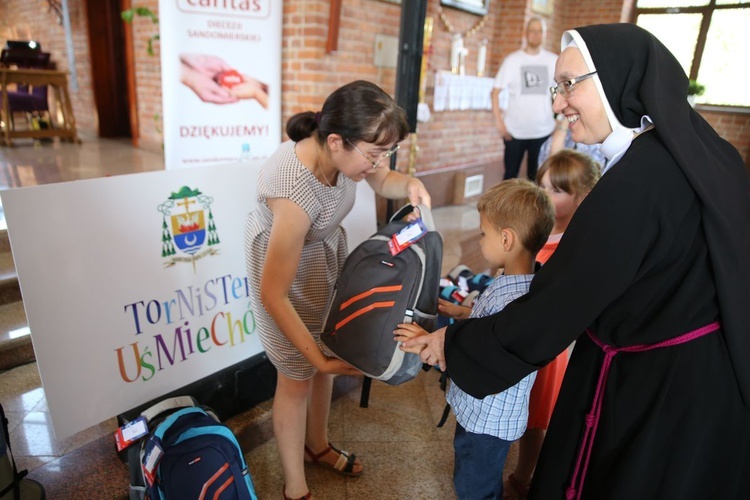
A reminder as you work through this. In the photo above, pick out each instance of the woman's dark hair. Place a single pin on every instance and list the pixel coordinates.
(358, 111)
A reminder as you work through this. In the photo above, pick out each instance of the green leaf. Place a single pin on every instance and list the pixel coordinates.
(146, 12)
(127, 15)
(695, 88)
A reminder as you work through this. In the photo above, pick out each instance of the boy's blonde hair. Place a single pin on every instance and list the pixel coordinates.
(573, 172)
(520, 205)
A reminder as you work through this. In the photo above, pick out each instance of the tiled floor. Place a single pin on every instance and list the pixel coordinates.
(405, 455)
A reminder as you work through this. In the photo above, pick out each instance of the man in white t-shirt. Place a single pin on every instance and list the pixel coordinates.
(521, 100)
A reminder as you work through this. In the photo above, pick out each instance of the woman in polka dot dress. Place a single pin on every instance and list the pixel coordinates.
(295, 249)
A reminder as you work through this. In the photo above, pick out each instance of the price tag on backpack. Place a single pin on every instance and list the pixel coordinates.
(151, 463)
(407, 236)
(130, 432)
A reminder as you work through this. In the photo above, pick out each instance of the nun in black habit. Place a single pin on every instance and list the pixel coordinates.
(651, 280)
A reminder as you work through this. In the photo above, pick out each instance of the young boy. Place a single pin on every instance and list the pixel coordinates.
(516, 218)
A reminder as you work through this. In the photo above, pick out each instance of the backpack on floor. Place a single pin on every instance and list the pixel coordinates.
(378, 290)
(14, 485)
(187, 453)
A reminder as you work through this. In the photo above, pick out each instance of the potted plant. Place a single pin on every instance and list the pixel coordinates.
(694, 89)
(127, 16)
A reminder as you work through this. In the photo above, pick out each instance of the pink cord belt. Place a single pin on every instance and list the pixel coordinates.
(592, 417)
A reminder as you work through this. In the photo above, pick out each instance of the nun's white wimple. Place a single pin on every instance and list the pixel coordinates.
(619, 140)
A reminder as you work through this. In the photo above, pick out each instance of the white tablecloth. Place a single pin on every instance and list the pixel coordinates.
(457, 92)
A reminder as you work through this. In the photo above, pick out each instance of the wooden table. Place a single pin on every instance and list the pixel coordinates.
(58, 80)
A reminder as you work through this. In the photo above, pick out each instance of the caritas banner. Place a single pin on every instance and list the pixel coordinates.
(221, 80)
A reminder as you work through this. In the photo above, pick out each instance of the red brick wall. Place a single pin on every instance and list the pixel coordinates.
(460, 138)
(308, 73)
(734, 127)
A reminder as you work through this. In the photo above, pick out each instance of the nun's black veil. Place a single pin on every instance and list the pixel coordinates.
(641, 77)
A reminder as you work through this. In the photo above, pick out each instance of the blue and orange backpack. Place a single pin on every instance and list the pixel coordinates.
(187, 453)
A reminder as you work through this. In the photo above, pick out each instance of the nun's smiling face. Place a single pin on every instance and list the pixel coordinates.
(582, 106)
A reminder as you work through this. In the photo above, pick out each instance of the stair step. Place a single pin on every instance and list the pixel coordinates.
(4, 240)
(14, 350)
(9, 289)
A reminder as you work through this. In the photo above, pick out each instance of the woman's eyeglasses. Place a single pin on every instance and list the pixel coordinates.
(565, 88)
(384, 156)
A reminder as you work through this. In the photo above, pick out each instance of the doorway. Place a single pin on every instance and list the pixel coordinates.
(108, 67)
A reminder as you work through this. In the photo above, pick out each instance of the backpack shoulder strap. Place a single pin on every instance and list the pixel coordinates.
(424, 213)
(137, 482)
(168, 404)
(444, 386)
(15, 483)
(364, 397)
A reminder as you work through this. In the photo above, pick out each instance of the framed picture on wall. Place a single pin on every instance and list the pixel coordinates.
(479, 7)
(542, 6)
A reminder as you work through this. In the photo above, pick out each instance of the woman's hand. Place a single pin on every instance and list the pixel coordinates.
(429, 347)
(205, 64)
(335, 366)
(417, 193)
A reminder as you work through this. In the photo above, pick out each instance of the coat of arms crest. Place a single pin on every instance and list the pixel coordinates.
(187, 225)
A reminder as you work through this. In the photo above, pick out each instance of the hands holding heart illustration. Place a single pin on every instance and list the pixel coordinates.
(215, 81)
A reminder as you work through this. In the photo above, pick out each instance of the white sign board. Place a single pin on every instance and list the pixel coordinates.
(135, 285)
(221, 80)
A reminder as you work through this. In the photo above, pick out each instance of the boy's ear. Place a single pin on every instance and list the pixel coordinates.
(508, 238)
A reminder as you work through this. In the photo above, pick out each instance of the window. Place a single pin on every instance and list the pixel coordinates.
(710, 38)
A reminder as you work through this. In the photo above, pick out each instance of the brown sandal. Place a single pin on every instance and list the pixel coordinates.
(307, 496)
(344, 465)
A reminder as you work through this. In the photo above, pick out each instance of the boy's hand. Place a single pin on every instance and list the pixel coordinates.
(452, 310)
(406, 331)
